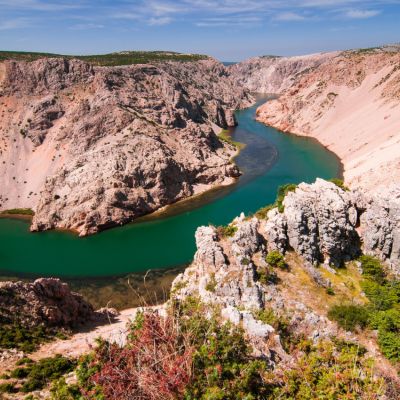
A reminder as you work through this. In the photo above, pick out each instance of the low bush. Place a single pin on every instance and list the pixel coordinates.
(14, 336)
(326, 371)
(263, 212)
(383, 311)
(282, 192)
(6, 388)
(349, 316)
(211, 284)
(226, 231)
(60, 390)
(372, 268)
(39, 374)
(267, 276)
(276, 260)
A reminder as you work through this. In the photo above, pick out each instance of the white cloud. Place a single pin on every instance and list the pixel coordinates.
(158, 21)
(38, 5)
(361, 14)
(230, 21)
(82, 27)
(289, 16)
(16, 23)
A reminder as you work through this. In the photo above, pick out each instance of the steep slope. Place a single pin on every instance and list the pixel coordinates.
(92, 147)
(350, 103)
(257, 300)
(271, 74)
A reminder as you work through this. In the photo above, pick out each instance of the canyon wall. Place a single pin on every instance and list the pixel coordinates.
(349, 101)
(90, 147)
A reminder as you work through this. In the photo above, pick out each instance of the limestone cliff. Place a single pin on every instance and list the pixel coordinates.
(349, 101)
(271, 74)
(92, 147)
(320, 227)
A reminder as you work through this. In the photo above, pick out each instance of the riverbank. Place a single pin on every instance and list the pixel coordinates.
(354, 111)
(269, 160)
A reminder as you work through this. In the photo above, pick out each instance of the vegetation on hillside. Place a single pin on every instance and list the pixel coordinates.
(19, 211)
(112, 59)
(382, 311)
(16, 336)
(30, 376)
(188, 355)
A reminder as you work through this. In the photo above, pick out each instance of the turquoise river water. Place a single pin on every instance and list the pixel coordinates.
(270, 159)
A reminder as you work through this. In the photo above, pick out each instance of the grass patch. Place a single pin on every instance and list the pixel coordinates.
(226, 137)
(19, 211)
(382, 311)
(25, 339)
(350, 316)
(339, 183)
(282, 192)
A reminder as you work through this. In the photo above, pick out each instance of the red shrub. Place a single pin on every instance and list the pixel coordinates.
(155, 364)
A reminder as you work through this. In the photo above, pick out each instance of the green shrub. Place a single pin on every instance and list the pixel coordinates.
(339, 183)
(20, 373)
(372, 269)
(211, 284)
(389, 344)
(349, 316)
(282, 192)
(226, 231)
(267, 276)
(24, 360)
(60, 390)
(328, 372)
(276, 260)
(6, 388)
(330, 291)
(15, 336)
(383, 297)
(263, 212)
(39, 374)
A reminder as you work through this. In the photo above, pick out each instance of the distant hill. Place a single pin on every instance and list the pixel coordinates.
(112, 59)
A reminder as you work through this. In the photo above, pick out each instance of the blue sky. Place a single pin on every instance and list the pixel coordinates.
(229, 30)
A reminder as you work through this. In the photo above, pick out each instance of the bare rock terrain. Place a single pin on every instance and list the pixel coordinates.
(272, 74)
(89, 147)
(46, 301)
(349, 101)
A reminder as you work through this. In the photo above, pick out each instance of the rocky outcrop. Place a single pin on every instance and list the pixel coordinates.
(326, 224)
(321, 223)
(93, 147)
(349, 101)
(46, 301)
(380, 225)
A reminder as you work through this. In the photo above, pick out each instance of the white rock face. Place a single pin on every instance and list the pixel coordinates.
(89, 148)
(324, 223)
(349, 101)
(321, 223)
(271, 74)
(380, 226)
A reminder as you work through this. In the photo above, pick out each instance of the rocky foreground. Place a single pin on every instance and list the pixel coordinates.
(277, 275)
(90, 147)
(349, 101)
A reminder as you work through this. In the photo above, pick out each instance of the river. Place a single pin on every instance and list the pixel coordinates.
(270, 159)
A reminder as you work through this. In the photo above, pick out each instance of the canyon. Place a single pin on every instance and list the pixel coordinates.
(90, 147)
(348, 100)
